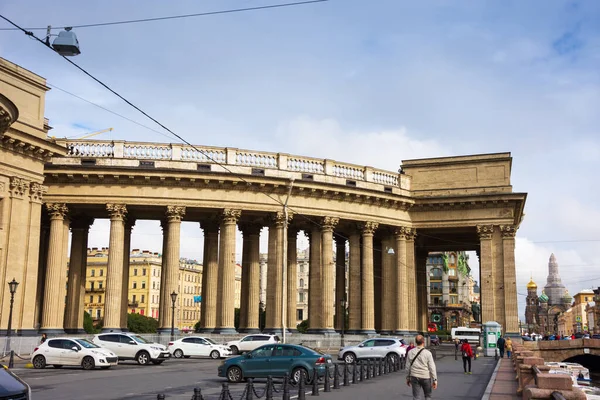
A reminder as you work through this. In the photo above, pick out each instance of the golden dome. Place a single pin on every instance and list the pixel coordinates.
(531, 284)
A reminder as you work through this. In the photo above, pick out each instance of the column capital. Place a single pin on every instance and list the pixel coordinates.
(508, 231)
(250, 228)
(37, 192)
(175, 213)
(329, 223)
(117, 212)
(485, 231)
(405, 232)
(278, 218)
(368, 227)
(57, 210)
(230, 216)
(81, 222)
(18, 187)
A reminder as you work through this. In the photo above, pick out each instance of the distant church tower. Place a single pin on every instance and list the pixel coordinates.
(531, 309)
(554, 289)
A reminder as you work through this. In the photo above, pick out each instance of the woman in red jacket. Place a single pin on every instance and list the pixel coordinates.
(467, 354)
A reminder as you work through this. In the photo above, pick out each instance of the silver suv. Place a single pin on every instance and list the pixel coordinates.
(251, 342)
(128, 346)
(374, 348)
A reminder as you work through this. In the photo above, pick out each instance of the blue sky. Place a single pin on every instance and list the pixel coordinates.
(368, 82)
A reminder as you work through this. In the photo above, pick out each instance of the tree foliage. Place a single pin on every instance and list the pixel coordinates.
(88, 324)
(302, 326)
(138, 323)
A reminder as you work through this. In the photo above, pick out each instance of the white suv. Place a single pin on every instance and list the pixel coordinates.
(374, 348)
(128, 346)
(251, 342)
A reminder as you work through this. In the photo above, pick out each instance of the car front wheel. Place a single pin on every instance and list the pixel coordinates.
(349, 358)
(143, 358)
(234, 375)
(215, 354)
(235, 350)
(39, 362)
(88, 363)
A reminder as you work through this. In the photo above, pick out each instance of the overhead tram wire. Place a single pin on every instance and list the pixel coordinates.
(203, 14)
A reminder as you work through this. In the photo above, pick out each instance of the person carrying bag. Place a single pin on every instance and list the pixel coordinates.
(467, 354)
(421, 371)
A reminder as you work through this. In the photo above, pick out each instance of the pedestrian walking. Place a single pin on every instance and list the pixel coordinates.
(43, 339)
(501, 343)
(410, 347)
(467, 353)
(508, 346)
(421, 372)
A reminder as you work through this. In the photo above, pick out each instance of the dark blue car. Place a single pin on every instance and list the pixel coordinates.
(275, 360)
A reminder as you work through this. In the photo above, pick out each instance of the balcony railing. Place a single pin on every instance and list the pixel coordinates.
(133, 304)
(95, 289)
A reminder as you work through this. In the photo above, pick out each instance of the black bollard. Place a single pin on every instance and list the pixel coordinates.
(160, 397)
(361, 371)
(346, 380)
(327, 379)
(250, 390)
(400, 363)
(11, 360)
(301, 390)
(354, 372)
(374, 368)
(368, 374)
(286, 387)
(315, 383)
(225, 392)
(336, 376)
(269, 389)
(197, 394)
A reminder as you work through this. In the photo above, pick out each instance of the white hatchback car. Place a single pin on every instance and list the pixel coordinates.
(251, 342)
(128, 346)
(72, 351)
(197, 346)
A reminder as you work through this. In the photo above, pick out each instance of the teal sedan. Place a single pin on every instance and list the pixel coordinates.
(275, 360)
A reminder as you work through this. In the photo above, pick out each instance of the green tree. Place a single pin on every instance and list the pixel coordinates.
(88, 324)
(197, 327)
(302, 326)
(137, 323)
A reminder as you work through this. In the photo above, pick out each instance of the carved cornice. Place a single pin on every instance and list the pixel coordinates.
(18, 187)
(368, 227)
(117, 212)
(508, 231)
(485, 231)
(328, 224)
(175, 213)
(57, 210)
(37, 192)
(230, 216)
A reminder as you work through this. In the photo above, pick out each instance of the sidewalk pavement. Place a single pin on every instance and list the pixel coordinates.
(505, 385)
(452, 383)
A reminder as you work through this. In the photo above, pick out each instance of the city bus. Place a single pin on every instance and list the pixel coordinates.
(471, 334)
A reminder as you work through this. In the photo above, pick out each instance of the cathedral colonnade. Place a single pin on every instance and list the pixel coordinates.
(383, 222)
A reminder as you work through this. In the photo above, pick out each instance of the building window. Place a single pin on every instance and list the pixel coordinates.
(301, 269)
(453, 288)
(135, 272)
(134, 285)
(435, 273)
(144, 272)
(436, 300)
(99, 298)
(133, 299)
(452, 272)
(142, 312)
(435, 287)
(453, 299)
(143, 298)
(101, 272)
(91, 299)
(452, 259)
(93, 272)
(98, 314)
(301, 297)
(144, 285)
(301, 283)
(153, 285)
(299, 314)
(92, 285)
(100, 285)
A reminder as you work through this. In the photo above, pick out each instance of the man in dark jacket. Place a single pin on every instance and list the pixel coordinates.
(500, 344)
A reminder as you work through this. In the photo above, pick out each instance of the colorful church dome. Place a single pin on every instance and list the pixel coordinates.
(531, 284)
(543, 297)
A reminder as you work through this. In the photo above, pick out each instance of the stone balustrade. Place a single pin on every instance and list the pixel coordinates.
(231, 157)
(535, 381)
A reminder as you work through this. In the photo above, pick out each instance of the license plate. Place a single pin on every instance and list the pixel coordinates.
(329, 361)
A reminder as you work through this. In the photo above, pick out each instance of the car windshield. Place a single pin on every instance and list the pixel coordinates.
(209, 340)
(140, 339)
(87, 344)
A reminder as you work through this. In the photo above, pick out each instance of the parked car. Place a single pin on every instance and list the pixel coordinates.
(197, 346)
(434, 340)
(13, 387)
(129, 346)
(380, 347)
(72, 351)
(596, 336)
(579, 335)
(275, 360)
(251, 342)
(526, 338)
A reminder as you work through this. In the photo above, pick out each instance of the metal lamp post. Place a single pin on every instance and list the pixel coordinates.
(12, 285)
(173, 300)
(343, 304)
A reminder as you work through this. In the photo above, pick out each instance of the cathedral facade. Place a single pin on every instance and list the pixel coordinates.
(541, 312)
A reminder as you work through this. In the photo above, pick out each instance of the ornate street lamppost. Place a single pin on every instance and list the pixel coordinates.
(12, 286)
(173, 300)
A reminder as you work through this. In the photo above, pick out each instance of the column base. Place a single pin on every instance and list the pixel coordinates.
(205, 330)
(368, 332)
(322, 331)
(111, 330)
(247, 330)
(75, 331)
(224, 331)
(386, 332)
(23, 332)
(352, 332)
(52, 331)
(167, 331)
(402, 333)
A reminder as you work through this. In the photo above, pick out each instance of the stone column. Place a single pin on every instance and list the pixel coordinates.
(114, 270)
(402, 311)
(275, 274)
(411, 280)
(368, 299)
(486, 268)
(249, 303)
(43, 263)
(421, 304)
(210, 273)
(510, 280)
(164, 225)
(129, 223)
(171, 270)
(314, 282)
(292, 278)
(226, 278)
(354, 284)
(53, 306)
(388, 287)
(327, 270)
(76, 282)
(340, 282)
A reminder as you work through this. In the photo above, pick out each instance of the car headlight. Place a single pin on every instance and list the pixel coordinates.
(156, 348)
(98, 352)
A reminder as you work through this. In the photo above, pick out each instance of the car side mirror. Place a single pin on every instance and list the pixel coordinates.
(361, 345)
(132, 342)
(248, 355)
(74, 348)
